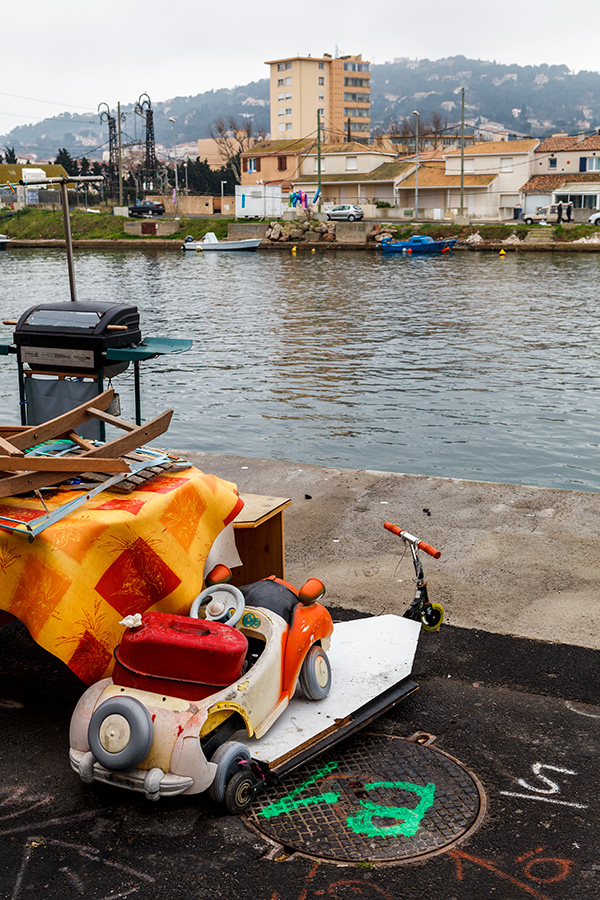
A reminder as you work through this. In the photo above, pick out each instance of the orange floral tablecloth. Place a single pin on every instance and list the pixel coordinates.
(115, 555)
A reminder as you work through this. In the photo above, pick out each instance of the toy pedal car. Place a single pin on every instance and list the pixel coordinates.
(183, 687)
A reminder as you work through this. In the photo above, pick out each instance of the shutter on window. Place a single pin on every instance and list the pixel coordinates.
(245, 165)
(582, 163)
(258, 163)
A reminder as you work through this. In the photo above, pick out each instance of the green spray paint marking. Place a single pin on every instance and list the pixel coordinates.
(288, 803)
(410, 819)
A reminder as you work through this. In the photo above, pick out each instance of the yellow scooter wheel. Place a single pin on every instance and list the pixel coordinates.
(432, 618)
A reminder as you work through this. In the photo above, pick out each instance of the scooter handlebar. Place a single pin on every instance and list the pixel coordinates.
(411, 539)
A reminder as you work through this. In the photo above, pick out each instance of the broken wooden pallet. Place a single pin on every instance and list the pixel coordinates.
(21, 472)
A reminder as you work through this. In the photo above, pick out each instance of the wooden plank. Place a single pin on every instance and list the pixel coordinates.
(9, 448)
(73, 464)
(20, 484)
(258, 508)
(79, 441)
(58, 427)
(111, 420)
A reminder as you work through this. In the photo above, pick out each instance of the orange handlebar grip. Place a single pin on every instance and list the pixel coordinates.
(429, 549)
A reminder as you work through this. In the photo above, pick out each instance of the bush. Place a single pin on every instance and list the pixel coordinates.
(383, 204)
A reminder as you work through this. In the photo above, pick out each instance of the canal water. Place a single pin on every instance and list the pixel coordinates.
(471, 366)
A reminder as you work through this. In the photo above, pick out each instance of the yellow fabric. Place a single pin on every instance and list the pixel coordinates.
(116, 554)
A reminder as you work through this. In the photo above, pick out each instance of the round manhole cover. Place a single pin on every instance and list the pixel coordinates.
(374, 799)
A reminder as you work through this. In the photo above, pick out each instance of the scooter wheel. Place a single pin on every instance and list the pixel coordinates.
(239, 792)
(432, 617)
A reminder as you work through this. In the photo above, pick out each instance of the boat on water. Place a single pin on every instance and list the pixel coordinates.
(211, 242)
(419, 243)
(4, 239)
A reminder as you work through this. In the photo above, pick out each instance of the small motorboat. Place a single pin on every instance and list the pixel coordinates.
(419, 243)
(4, 239)
(211, 242)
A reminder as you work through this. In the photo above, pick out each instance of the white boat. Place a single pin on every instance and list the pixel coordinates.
(4, 239)
(211, 242)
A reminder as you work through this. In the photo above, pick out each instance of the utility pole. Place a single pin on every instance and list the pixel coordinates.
(120, 155)
(462, 155)
(416, 114)
(319, 160)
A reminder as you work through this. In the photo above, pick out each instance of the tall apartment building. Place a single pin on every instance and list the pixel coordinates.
(339, 87)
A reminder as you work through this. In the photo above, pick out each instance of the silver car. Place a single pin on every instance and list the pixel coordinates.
(347, 212)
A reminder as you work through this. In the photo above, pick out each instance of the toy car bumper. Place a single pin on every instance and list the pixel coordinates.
(154, 783)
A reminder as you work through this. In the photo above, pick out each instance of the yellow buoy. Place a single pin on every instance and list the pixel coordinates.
(313, 250)
(502, 253)
(293, 249)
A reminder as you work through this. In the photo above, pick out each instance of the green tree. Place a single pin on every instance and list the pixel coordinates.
(84, 166)
(11, 156)
(64, 159)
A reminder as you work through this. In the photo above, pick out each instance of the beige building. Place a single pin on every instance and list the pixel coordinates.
(273, 162)
(338, 88)
(566, 169)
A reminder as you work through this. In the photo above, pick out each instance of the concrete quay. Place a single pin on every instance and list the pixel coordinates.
(516, 560)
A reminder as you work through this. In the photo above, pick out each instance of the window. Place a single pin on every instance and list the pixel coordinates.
(280, 82)
(321, 97)
(321, 111)
(281, 98)
(352, 163)
(552, 162)
(282, 67)
(356, 67)
(281, 126)
(288, 82)
(321, 65)
(288, 111)
(316, 169)
(281, 163)
(321, 81)
(357, 98)
(357, 112)
(506, 164)
(356, 82)
(593, 164)
(281, 111)
(288, 96)
(288, 126)
(469, 166)
(253, 165)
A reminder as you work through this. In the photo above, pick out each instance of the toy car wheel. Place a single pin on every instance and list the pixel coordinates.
(315, 674)
(120, 733)
(229, 757)
(432, 617)
(239, 792)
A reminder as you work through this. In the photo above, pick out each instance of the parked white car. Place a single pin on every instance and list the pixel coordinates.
(347, 211)
(594, 219)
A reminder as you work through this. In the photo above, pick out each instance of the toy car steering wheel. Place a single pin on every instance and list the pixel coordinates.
(217, 603)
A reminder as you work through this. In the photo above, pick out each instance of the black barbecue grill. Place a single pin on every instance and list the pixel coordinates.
(73, 337)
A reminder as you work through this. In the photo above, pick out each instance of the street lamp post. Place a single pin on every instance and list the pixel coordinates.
(416, 114)
(173, 120)
(222, 194)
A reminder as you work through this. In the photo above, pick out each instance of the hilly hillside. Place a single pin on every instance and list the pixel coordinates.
(535, 100)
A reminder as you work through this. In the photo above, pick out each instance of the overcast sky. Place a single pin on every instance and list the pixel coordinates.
(71, 56)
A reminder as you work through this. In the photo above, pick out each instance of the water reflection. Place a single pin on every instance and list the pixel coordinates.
(471, 366)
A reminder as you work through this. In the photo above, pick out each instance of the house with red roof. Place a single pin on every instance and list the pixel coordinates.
(567, 170)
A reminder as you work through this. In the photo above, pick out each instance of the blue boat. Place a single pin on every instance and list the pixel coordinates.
(418, 243)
